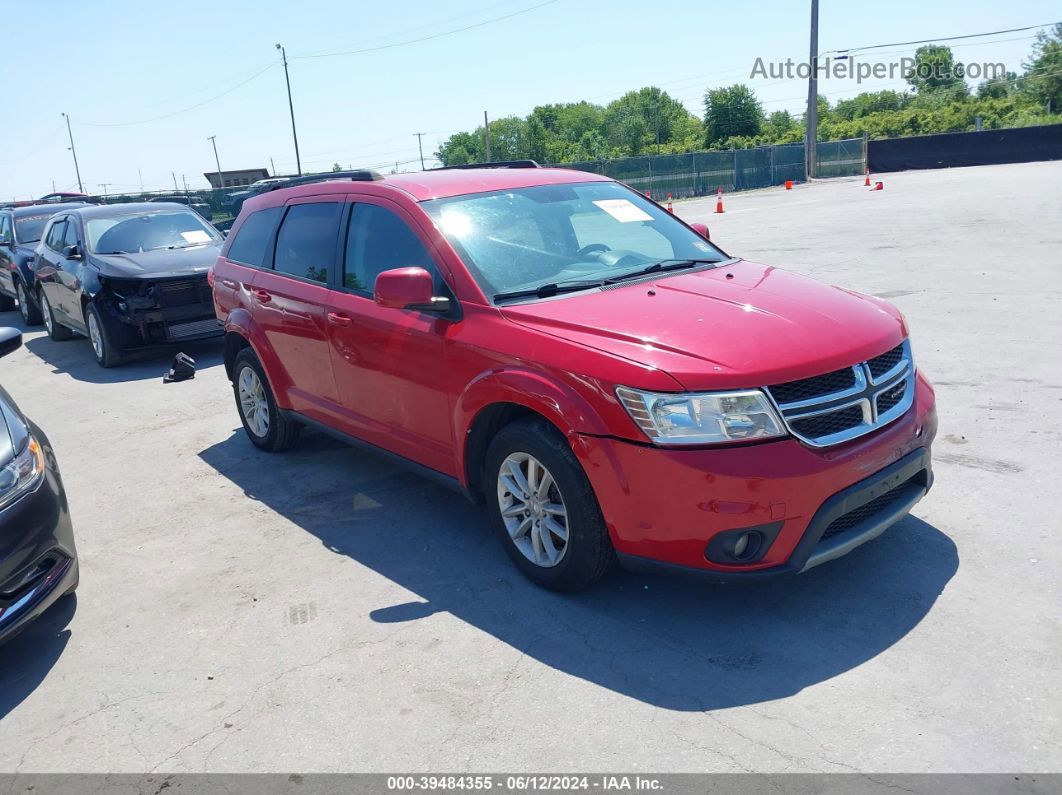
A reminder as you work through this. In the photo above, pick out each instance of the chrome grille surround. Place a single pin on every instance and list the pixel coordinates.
(864, 393)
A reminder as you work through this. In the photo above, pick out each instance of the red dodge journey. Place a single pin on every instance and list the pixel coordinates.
(551, 343)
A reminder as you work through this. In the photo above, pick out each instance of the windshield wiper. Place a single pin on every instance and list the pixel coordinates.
(547, 290)
(663, 265)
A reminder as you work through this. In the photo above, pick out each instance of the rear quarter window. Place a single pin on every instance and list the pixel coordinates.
(251, 242)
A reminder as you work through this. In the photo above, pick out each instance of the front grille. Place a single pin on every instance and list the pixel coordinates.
(863, 512)
(196, 328)
(844, 404)
(828, 424)
(880, 365)
(886, 400)
(808, 388)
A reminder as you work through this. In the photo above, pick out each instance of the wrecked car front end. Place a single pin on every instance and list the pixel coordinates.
(147, 311)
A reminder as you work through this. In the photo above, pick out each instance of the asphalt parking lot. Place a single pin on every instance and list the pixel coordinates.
(321, 610)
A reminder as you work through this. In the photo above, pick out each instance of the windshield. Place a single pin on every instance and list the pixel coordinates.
(28, 228)
(524, 238)
(130, 234)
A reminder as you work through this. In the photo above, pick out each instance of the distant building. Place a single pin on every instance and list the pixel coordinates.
(235, 179)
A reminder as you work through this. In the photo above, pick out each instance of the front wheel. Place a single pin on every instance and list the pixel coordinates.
(107, 354)
(266, 427)
(56, 331)
(31, 315)
(544, 509)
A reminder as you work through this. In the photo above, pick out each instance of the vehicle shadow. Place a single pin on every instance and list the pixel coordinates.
(28, 657)
(668, 642)
(74, 357)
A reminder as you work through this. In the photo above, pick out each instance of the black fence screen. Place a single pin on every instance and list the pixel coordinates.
(1011, 145)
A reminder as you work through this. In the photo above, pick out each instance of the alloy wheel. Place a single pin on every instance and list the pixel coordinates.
(23, 307)
(95, 335)
(46, 310)
(533, 510)
(253, 402)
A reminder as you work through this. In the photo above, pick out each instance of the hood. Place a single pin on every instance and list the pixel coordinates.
(739, 325)
(158, 264)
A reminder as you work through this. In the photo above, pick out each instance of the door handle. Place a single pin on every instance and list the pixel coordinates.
(337, 319)
(230, 284)
(262, 296)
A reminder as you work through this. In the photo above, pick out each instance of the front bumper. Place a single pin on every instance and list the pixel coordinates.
(664, 507)
(38, 559)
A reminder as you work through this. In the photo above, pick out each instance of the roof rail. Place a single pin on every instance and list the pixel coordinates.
(360, 175)
(495, 164)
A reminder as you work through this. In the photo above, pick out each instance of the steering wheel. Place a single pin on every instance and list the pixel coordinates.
(591, 249)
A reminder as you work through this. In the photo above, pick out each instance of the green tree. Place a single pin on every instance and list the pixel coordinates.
(936, 72)
(337, 167)
(460, 149)
(999, 87)
(1043, 72)
(732, 111)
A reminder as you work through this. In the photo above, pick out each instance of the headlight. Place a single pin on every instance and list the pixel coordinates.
(706, 418)
(22, 474)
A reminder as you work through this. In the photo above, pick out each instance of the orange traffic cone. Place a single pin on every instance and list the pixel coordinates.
(648, 195)
(878, 186)
(867, 183)
(719, 200)
(670, 208)
(789, 184)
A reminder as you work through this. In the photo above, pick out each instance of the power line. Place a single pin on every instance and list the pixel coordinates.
(183, 110)
(943, 38)
(427, 38)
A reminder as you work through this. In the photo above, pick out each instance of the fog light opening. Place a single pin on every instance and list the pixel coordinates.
(746, 545)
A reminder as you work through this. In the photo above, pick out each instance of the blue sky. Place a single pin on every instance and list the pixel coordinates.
(119, 61)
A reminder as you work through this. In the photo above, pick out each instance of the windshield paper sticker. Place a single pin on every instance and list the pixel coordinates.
(623, 211)
(196, 236)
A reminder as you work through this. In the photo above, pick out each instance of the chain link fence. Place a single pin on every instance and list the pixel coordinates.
(701, 173)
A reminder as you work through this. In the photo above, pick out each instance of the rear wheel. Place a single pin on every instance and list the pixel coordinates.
(544, 508)
(56, 331)
(103, 347)
(266, 427)
(31, 315)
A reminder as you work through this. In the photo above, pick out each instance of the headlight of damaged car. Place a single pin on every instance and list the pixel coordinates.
(702, 418)
(21, 474)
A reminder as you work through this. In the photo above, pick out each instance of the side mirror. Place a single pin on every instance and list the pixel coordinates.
(702, 230)
(72, 252)
(10, 340)
(408, 288)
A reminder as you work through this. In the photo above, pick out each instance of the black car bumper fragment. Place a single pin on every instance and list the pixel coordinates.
(903, 482)
(38, 559)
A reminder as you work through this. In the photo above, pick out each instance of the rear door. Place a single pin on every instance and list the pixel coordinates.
(7, 254)
(290, 300)
(389, 364)
(250, 250)
(49, 260)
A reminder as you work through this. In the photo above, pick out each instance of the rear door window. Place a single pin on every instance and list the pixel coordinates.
(54, 240)
(70, 235)
(251, 243)
(306, 242)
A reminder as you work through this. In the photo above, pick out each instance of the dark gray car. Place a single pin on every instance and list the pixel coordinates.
(127, 276)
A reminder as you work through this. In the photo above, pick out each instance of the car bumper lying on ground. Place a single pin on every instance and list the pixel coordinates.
(800, 506)
(38, 560)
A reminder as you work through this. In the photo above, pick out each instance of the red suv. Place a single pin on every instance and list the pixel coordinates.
(608, 381)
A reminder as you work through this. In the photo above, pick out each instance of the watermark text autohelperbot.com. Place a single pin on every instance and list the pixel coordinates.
(847, 68)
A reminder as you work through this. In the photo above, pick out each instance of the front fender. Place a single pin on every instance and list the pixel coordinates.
(241, 322)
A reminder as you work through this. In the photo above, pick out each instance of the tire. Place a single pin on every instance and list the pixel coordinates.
(31, 315)
(102, 341)
(253, 394)
(587, 551)
(7, 303)
(56, 331)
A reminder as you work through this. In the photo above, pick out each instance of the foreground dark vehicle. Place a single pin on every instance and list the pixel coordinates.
(127, 276)
(38, 561)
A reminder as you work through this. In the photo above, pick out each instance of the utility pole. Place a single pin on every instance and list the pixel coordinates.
(139, 174)
(74, 153)
(221, 182)
(104, 186)
(812, 115)
(291, 107)
(420, 146)
(486, 138)
(175, 188)
(272, 167)
(184, 182)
